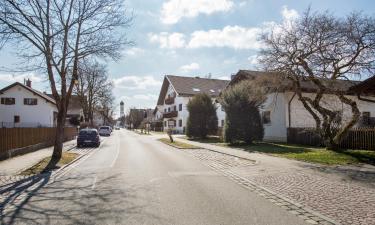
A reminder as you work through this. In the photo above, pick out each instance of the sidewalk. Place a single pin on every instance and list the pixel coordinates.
(345, 194)
(17, 164)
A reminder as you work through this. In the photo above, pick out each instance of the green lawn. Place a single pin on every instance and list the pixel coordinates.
(66, 158)
(177, 144)
(303, 153)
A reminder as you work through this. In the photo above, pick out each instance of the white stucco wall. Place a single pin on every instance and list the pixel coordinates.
(276, 129)
(300, 117)
(30, 115)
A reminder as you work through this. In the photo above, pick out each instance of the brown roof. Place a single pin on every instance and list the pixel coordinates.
(365, 87)
(285, 84)
(40, 94)
(189, 86)
(74, 102)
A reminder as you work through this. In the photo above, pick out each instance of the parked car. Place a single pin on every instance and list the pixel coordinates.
(88, 137)
(105, 131)
(117, 128)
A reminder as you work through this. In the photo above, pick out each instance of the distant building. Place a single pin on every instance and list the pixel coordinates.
(175, 93)
(122, 112)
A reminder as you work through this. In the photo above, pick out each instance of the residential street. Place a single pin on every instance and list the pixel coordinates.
(134, 179)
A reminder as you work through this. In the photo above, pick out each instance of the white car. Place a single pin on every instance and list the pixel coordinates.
(105, 131)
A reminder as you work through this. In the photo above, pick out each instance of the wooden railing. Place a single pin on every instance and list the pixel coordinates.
(359, 138)
(170, 114)
(169, 101)
(13, 138)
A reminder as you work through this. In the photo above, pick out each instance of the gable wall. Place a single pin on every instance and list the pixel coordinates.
(30, 115)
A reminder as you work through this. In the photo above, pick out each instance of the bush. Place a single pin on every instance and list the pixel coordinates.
(202, 118)
(241, 104)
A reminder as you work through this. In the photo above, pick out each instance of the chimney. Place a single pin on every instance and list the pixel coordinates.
(28, 83)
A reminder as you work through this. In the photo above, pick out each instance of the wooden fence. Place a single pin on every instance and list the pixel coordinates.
(359, 138)
(13, 138)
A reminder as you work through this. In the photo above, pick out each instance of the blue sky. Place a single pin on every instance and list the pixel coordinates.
(190, 38)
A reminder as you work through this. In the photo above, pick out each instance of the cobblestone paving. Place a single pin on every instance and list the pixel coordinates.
(15, 188)
(346, 203)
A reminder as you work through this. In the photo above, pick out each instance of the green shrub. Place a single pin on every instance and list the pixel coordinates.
(202, 118)
(241, 104)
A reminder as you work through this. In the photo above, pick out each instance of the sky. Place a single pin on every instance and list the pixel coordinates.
(189, 38)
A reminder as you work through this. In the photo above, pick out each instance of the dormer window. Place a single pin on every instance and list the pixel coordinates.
(212, 91)
(196, 89)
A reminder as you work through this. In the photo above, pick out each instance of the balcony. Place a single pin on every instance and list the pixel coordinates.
(170, 114)
(169, 101)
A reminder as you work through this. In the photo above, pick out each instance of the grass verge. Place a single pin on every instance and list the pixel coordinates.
(66, 158)
(177, 144)
(302, 153)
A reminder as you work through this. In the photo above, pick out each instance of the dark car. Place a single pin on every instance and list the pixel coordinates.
(88, 137)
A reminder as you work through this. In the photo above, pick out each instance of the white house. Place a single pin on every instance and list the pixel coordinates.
(283, 109)
(22, 106)
(175, 93)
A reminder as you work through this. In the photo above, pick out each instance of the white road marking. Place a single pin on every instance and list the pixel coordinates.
(94, 183)
(118, 152)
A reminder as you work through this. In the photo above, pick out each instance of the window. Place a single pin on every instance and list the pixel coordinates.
(8, 101)
(165, 123)
(169, 109)
(180, 123)
(174, 108)
(266, 117)
(30, 101)
(180, 107)
(165, 110)
(16, 119)
(222, 123)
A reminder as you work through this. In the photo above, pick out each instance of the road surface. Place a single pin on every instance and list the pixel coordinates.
(134, 179)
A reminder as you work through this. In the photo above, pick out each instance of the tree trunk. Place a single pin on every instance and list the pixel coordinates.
(59, 140)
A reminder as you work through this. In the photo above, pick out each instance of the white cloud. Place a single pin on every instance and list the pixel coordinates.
(236, 37)
(289, 14)
(146, 97)
(134, 51)
(190, 67)
(167, 40)
(20, 77)
(136, 82)
(223, 78)
(253, 59)
(173, 10)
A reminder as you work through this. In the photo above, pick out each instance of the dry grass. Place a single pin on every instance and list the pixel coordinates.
(178, 144)
(66, 158)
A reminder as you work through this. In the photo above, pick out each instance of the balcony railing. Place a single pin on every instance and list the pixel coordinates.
(170, 114)
(169, 101)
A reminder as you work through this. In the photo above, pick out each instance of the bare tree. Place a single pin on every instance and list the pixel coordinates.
(93, 89)
(321, 49)
(57, 35)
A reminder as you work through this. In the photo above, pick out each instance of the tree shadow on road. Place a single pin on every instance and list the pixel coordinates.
(76, 199)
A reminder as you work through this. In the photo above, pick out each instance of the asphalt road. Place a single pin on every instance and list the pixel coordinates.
(134, 179)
